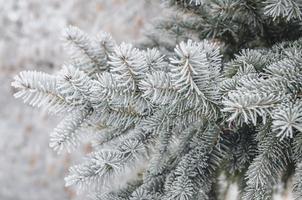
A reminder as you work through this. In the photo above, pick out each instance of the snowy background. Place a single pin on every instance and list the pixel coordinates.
(31, 38)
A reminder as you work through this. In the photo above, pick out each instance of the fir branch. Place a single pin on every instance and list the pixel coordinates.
(107, 43)
(121, 194)
(258, 59)
(155, 61)
(74, 85)
(267, 168)
(117, 118)
(245, 107)
(188, 67)
(159, 89)
(99, 170)
(288, 9)
(66, 135)
(129, 64)
(287, 68)
(286, 119)
(40, 90)
(162, 120)
(87, 54)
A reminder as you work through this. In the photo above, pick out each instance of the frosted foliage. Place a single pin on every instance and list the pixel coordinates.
(169, 122)
(289, 9)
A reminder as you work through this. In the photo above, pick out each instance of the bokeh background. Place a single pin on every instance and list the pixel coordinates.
(31, 39)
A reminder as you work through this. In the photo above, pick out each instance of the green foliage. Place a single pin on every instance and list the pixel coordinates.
(267, 167)
(288, 9)
(236, 24)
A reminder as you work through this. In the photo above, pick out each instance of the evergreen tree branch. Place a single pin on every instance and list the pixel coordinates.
(40, 90)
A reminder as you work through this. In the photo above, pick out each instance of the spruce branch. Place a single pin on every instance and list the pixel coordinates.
(287, 68)
(107, 43)
(155, 61)
(158, 87)
(286, 119)
(40, 90)
(99, 170)
(288, 9)
(246, 107)
(105, 166)
(88, 54)
(188, 67)
(66, 135)
(129, 64)
(121, 194)
(267, 167)
(258, 59)
(74, 85)
(161, 119)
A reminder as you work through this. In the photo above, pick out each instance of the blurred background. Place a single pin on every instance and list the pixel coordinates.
(31, 39)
